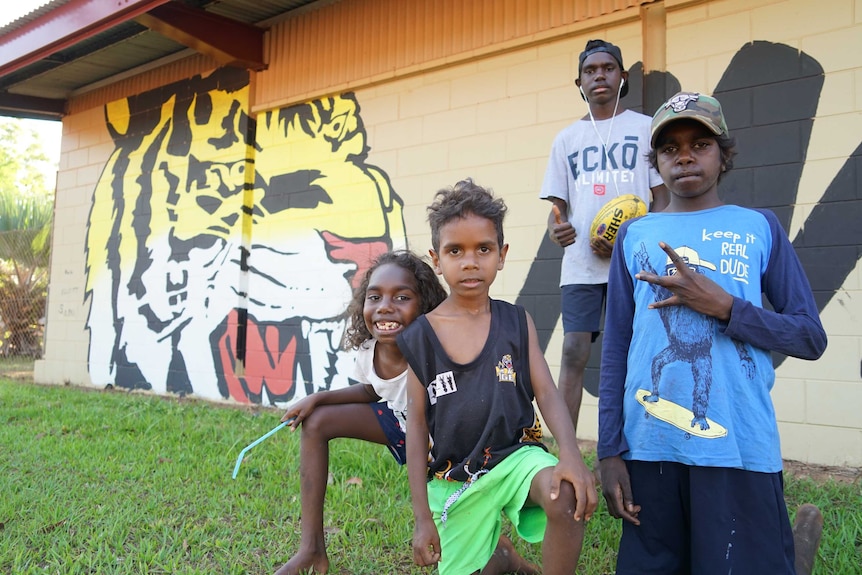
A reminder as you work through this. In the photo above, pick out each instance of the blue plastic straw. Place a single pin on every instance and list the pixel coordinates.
(255, 442)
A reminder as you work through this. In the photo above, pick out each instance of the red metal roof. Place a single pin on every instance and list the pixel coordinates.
(66, 46)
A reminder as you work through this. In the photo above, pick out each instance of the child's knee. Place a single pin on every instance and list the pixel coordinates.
(563, 507)
(315, 424)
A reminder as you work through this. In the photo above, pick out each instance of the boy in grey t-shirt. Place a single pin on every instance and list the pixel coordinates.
(595, 159)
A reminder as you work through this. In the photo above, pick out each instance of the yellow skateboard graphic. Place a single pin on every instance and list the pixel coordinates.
(678, 416)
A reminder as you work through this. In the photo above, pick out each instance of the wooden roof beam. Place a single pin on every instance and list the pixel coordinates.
(229, 42)
(17, 106)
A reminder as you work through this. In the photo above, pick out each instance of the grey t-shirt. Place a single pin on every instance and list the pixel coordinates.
(585, 178)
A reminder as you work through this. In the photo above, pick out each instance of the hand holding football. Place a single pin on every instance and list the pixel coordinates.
(608, 220)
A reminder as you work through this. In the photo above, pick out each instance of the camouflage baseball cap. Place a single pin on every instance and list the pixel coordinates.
(704, 109)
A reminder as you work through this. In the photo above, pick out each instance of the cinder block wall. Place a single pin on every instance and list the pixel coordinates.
(85, 149)
(790, 75)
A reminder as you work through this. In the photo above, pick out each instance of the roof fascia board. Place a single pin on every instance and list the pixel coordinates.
(31, 107)
(63, 27)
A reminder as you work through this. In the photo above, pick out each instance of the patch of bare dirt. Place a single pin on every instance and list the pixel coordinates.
(822, 473)
(17, 370)
(798, 469)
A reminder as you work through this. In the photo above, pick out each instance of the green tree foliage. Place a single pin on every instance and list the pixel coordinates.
(23, 161)
(26, 208)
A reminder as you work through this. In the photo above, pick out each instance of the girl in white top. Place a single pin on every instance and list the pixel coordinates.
(396, 289)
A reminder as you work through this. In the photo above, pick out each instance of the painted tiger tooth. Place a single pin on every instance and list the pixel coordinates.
(336, 333)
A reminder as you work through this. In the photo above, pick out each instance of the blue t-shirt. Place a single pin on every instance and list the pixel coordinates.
(677, 385)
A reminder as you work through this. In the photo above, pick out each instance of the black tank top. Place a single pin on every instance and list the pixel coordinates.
(478, 412)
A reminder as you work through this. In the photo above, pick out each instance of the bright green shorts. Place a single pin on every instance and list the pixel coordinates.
(472, 528)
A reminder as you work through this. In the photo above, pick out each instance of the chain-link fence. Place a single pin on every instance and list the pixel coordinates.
(23, 294)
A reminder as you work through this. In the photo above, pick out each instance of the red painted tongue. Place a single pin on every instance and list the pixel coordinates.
(362, 253)
(268, 362)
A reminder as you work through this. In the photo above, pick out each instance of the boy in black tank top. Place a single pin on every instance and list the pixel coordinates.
(474, 369)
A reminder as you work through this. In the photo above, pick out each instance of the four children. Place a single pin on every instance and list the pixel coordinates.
(688, 440)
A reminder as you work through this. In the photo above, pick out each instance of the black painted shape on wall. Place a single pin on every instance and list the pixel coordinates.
(128, 375)
(633, 100)
(830, 243)
(540, 294)
(178, 381)
(770, 95)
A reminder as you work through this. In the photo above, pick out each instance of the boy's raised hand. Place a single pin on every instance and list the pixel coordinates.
(575, 472)
(617, 490)
(689, 288)
(561, 233)
(426, 543)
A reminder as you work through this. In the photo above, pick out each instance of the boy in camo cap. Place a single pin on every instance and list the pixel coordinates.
(704, 109)
(688, 440)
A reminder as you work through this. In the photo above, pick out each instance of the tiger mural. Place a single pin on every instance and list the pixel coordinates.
(222, 249)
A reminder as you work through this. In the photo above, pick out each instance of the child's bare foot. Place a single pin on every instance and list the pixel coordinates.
(305, 563)
(806, 537)
(506, 560)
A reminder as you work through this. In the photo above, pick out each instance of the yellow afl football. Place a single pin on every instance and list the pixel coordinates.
(607, 222)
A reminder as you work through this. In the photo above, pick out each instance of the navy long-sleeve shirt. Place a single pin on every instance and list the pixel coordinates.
(677, 385)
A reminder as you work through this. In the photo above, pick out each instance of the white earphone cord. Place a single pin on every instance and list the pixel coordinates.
(606, 141)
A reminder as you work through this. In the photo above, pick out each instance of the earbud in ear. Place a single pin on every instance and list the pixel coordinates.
(623, 83)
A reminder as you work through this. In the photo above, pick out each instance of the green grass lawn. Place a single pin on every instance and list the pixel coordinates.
(116, 482)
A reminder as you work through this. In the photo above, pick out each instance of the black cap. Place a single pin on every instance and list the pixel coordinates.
(594, 46)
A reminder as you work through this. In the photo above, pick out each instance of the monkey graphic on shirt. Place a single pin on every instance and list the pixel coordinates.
(690, 337)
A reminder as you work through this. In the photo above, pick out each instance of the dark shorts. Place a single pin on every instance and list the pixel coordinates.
(705, 521)
(582, 306)
(392, 430)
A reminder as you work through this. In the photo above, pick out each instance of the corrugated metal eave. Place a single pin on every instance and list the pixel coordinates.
(62, 81)
(182, 69)
(30, 16)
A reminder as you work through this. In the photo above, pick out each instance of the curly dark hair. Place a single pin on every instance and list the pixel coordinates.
(428, 287)
(459, 201)
(726, 144)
